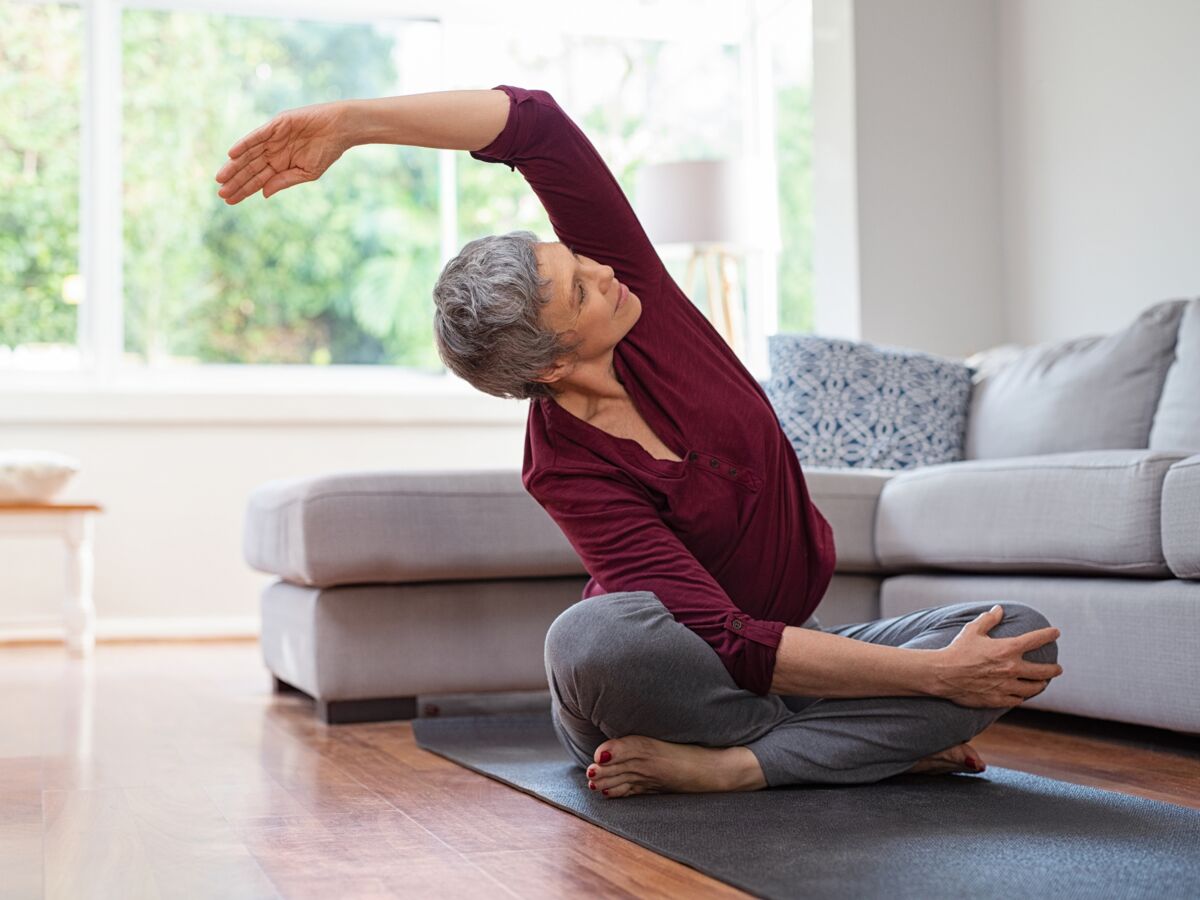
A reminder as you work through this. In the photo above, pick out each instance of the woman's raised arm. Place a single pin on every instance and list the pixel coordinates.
(298, 145)
(449, 120)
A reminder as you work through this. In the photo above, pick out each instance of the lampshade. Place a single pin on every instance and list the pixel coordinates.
(695, 201)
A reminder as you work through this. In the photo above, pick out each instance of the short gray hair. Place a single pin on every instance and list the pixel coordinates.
(487, 322)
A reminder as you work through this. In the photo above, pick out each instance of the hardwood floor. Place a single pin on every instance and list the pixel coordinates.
(172, 769)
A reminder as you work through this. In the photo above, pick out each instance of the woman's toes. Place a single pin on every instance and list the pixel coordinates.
(609, 753)
(606, 752)
(624, 789)
(602, 781)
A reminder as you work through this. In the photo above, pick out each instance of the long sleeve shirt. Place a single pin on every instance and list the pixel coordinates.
(727, 536)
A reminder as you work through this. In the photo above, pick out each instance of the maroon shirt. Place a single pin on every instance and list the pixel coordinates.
(727, 537)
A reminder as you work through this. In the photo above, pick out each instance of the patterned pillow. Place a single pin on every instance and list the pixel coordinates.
(849, 404)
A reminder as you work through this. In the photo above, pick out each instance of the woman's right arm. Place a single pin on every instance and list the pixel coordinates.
(524, 129)
(449, 120)
(298, 145)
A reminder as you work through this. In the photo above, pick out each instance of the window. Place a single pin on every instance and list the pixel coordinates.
(336, 273)
(792, 77)
(41, 57)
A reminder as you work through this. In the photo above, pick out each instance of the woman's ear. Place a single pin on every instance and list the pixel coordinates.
(553, 373)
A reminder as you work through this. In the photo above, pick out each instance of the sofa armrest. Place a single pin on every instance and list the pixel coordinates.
(849, 499)
(1181, 518)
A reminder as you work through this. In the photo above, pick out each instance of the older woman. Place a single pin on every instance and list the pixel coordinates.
(694, 660)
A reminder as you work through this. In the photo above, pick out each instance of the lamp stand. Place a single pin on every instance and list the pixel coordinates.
(725, 308)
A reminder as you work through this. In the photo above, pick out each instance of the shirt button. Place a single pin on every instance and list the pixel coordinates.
(713, 462)
(737, 624)
(693, 455)
(732, 470)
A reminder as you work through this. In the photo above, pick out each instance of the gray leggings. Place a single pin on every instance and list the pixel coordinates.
(619, 664)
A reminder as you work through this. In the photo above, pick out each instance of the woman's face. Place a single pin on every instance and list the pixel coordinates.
(584, 300)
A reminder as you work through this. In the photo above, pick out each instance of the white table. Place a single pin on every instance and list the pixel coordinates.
(73, 522)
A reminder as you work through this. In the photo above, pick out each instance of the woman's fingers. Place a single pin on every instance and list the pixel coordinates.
(248, 153)
(1018, 693)
(235, 184)
(1031, 689)
(986, 621)
(283, 180)
(233, 166)
(1031, 640)
(1040, 671)
(259, 135)
(252, 186)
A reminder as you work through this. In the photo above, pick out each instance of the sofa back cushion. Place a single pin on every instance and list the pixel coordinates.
(1177, 420)
(1087, 393)
(849, 404)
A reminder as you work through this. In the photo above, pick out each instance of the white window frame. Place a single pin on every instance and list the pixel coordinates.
(52, 396)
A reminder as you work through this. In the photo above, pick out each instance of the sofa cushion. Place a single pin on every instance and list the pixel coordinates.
(1088, 393)
(1181, 518)
(399, 526)
(1093, 511)
(847, 498)
(1177, 420)
(852, 404)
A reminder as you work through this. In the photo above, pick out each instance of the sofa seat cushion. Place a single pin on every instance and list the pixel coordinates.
(1181, 518)
(1125, 646)
(847, 498)
(1093, 511)
(399, 526)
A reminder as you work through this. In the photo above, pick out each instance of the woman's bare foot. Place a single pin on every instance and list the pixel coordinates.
(644, 765)
(959, 758)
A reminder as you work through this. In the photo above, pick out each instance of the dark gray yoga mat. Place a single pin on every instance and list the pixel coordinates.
(1002, 834)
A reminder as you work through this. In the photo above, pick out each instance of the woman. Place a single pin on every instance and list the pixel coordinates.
(694, 660)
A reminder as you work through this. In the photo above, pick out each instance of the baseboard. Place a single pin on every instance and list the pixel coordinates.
(138, 628)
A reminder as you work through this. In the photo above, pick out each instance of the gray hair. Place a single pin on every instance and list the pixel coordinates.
(487, 323)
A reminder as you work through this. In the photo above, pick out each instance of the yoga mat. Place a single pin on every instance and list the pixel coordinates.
(1002, 834)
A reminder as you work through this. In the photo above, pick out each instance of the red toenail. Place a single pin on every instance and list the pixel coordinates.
(592, 786)
(605, 792)
(605, 757)
(591, 773)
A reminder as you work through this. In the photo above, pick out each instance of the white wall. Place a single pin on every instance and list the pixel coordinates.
(836, 289)
(1003, 170)
(928, 174)
(907, 168)
(1101, 165)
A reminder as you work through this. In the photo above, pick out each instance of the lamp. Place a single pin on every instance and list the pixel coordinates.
(702, 202)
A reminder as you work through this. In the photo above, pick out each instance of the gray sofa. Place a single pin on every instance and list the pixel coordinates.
(402, 592)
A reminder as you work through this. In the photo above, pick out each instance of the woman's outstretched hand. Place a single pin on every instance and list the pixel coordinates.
(297, 145)
(981, 671)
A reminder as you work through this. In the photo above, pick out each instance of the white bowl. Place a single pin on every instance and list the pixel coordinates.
(34, 476)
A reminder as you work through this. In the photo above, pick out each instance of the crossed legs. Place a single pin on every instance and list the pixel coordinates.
(619, 665)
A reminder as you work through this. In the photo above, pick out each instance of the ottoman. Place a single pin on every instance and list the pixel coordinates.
(406, 593)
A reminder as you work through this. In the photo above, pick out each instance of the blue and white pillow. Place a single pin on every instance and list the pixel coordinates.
(850, 404)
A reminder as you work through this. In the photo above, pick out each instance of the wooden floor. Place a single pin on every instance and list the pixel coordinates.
(172, 769)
